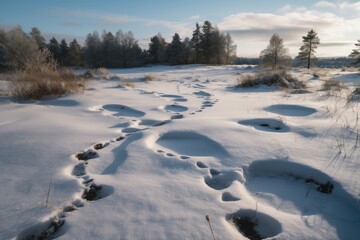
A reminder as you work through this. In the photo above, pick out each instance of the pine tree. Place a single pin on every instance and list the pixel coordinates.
(54, 48)
(74, 55)
(275, 55)
(218, 46)
(64, 50)
(308, 49)
(157, 48)
(92, 51)
(356, 53)
(206, 41)
(195, 43)
(230, 49)
(39, 39)
(175, 51)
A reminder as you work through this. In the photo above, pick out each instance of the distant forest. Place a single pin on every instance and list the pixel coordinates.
(207, 45)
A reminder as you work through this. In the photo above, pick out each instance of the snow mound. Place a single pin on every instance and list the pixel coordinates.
(122, 110)
(291, 110)
(191, 144)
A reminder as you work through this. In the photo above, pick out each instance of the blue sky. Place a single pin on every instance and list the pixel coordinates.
(251, 23)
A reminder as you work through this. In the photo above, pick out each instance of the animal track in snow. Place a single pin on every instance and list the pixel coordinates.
(224, 179)
(266, 124)
(228, 197)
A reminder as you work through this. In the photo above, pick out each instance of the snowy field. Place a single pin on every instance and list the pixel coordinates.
(161, 155)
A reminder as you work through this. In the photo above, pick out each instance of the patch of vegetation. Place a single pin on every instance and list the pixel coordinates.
(278, 78)
(149, 77)
(333, 85)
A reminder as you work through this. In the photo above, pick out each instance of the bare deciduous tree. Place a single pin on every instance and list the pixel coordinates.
(275, 55)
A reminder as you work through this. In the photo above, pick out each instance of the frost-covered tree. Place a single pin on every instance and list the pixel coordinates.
(130, 51)
(109, 50)
(230, 49)
(217, 47)
(175, 51)
(92, 51)
(187, 50)
(38, 37)
(275, 55)
(356, 53)
(308, 49)
(196, 43)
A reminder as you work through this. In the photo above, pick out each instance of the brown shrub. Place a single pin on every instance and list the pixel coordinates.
(149, 77)
(30, 84)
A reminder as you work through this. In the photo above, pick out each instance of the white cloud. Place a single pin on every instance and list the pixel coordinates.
(325, 5)
(350, 6)
(253, 30)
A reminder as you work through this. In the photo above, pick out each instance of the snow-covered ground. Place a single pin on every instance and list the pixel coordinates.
(178, 148)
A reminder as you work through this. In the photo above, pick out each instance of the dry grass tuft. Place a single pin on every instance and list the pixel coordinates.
(149, 77)
(333, 85)
(278, 78)
(127, 83)
(102, 72)
(30, 84)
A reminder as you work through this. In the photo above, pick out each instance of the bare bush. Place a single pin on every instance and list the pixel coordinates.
(35, 85)
(35, 73)
(333, 85)
(127, 83)
(149, 77)
(248, 80)
(102, 72)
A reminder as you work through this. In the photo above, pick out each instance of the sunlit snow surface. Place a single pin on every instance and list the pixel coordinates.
(184, 145)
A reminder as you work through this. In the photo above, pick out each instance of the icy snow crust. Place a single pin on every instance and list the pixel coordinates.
(150, 162)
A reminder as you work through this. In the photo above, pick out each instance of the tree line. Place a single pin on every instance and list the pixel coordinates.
(121, 49)
(276, 55)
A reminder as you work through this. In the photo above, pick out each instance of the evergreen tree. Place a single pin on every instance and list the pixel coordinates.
(206, 41)
(157, 48)
(39, 39)
(230, 49)
(275, 55)
(217, 47)
(130, 51)
(356, 53)
(74, 57)
(109, 48)
(64, 50)
(92, 51)
(54, 48)
(308, 49)
(175, 51)
(196, 43)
